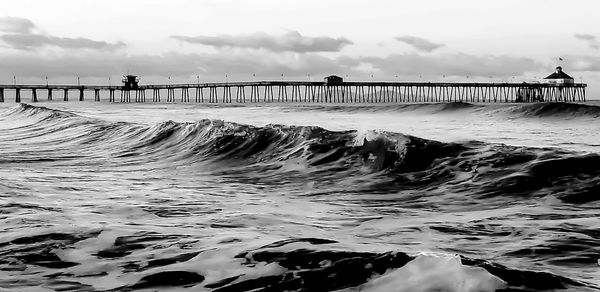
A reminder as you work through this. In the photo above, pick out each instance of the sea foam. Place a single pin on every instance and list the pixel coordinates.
(435, 272)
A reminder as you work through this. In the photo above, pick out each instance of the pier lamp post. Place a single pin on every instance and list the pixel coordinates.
(46, 81)
(109, 82)
(169, 80)
(281, 77)
(78, 83)
(198, 79)
(226, 78)
(308, 77)
(15, 79)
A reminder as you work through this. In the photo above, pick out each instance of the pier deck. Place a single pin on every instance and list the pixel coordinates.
(317, 91)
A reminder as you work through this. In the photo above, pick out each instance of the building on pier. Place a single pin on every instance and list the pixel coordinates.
(130, 82)
(333, 80)
(559, 77)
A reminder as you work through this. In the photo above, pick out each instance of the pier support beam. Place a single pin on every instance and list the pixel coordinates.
(34, 95)
(199, 95)
(1, 94)
(66, 95)
(185, 95)
(140, 95)
(212, 94)
(170, 95)
(49, 94)
(156, 95)
(81, 94)
(111, 95)
(96, 94)
(126, 95)
(240, 94)
(18, 95)
(226, 97)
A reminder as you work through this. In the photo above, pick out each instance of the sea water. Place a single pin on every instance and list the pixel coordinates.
(299, 197)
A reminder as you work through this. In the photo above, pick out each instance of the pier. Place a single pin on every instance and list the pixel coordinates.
(314, 92)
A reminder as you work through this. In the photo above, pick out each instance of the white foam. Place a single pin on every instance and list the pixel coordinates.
(435, 272)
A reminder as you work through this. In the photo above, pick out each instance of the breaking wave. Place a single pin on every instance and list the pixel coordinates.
(308, 152)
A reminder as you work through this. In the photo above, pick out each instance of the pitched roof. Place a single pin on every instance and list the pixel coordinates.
(559, 74)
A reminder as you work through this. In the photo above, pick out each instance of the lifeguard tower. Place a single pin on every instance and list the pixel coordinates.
(130, 82)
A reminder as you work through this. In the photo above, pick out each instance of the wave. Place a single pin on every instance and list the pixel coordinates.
(310, 153)
(560, 109)
(38, 112)
(513, 110)
(418, 108)
(363, 166)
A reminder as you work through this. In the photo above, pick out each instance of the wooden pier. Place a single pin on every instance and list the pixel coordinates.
(313, 92)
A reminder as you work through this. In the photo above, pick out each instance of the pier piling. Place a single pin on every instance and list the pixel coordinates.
(185, 95)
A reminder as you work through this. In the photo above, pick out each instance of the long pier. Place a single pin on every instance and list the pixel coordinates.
(313, 91)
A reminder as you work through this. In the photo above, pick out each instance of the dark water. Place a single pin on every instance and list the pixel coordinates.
(454, 197)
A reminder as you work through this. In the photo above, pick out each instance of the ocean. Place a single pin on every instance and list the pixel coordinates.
(299, 197)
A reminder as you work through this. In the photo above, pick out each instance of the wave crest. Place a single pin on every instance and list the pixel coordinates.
(281, 153)
(561, 109)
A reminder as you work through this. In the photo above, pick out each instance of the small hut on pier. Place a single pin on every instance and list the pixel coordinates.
(559, 77)
(334, 80)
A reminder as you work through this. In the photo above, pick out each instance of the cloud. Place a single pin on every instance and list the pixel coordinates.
(453, 65)
(19, 34)
(585, 37)
(292, 41)
(98, 64)
(16, 25)
(589, 39)
(582, 63)
(266, 65)
(29, 41)
(420, 44)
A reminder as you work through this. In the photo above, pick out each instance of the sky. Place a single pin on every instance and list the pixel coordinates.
(183, 41)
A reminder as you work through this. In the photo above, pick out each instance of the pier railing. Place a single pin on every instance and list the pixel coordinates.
(316, 92)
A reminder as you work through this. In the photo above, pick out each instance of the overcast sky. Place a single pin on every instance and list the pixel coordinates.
(263, 39)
